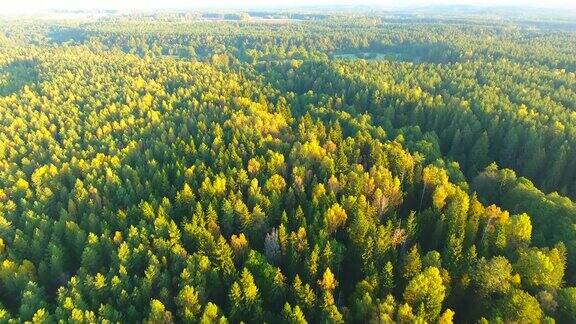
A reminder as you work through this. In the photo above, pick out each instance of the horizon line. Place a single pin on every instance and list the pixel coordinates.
(197, 7)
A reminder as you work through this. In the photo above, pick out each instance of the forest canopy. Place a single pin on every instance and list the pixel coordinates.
(287, 168)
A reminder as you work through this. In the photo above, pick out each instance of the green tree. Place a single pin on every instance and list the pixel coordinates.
(293, 315)
(567, 305)
(541, 269)
(188, 303)
(158, 313)
(245, 299)
(494, 276)
(426, 293)
(519, 306)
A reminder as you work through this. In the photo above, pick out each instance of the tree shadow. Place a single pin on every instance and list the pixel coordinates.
(14, 76)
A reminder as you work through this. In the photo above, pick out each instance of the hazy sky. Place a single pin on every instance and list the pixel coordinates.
(29, 6)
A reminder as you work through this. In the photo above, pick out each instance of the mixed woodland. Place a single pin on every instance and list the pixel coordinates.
(310, 169)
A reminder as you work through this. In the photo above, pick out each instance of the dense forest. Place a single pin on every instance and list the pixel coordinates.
(288, 168)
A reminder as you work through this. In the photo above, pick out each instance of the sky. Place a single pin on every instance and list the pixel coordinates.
(31, 6)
